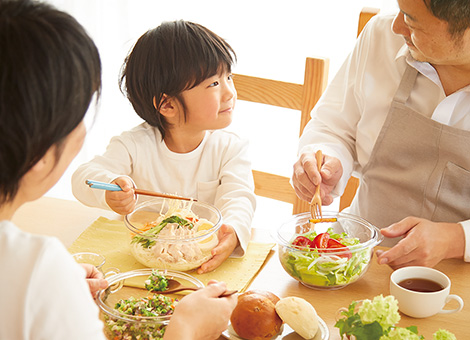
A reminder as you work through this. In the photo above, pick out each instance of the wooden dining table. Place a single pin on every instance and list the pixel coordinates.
(67, 219)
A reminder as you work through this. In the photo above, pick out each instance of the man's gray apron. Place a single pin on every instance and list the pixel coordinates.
(418, 167)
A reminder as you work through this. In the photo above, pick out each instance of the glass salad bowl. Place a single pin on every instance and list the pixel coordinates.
(126, 305)
(173, 234)
(328, 254)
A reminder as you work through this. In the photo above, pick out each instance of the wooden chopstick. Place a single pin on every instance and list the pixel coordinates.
(157, 194)
(115, 187)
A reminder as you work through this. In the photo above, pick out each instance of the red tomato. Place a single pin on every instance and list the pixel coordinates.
(325, 244)
(321, 240)
(302, 242)
(335, 245)
(332, 243)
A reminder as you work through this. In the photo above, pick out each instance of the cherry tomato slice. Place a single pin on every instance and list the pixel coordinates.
(334, 245)
(302, 242)
(321, 240)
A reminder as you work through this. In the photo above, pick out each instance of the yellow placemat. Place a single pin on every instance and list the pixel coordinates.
(110, 238)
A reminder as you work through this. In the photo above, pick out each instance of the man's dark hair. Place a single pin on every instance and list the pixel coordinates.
(455, 12)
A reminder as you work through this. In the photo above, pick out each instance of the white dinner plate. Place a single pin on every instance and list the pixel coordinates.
(286, 333)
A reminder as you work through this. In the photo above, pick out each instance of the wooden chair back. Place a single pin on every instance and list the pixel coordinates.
(301, 97)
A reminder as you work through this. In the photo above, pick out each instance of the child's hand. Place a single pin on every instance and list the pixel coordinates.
(228, 241)
(123, 202)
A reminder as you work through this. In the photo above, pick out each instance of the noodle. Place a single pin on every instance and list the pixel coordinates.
(168, 247)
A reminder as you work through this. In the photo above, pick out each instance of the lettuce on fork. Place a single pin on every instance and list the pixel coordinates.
(377, 319)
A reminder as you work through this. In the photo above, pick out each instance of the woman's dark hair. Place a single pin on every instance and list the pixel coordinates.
(169, 59)
(455, 12)
(50, 70)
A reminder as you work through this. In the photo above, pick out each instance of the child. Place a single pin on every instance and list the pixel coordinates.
(43, 291)
(178, 79)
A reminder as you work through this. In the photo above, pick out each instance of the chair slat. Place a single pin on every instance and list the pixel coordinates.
(268, 91)
(273, 186)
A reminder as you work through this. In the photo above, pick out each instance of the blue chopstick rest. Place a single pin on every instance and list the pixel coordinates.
(103, 186)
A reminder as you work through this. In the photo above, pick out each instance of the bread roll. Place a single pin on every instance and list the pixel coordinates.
(255, 317)
(299, 315)
(271, 296)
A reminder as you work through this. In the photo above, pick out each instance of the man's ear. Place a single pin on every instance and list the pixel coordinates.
(167, 107)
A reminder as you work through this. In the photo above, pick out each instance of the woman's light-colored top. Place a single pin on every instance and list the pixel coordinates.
(43, 291)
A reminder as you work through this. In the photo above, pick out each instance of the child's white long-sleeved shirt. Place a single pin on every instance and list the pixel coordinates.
(217, 172)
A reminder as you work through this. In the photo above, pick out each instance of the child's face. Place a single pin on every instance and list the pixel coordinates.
(210, 104)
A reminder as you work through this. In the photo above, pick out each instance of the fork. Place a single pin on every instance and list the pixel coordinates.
(315, 204)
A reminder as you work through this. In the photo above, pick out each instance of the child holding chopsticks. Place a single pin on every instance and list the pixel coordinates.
(178, 79)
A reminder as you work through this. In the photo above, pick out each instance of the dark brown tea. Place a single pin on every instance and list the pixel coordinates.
(421, 285)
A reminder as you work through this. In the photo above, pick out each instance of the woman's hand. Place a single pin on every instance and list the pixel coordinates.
(228, 241)
(122, 202)
(201, 315)
(306, 177)
(94, 278)
(424, 243)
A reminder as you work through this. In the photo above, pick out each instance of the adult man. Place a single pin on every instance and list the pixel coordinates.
(398, 115)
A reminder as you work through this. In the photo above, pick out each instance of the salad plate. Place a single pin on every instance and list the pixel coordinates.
(286, 333)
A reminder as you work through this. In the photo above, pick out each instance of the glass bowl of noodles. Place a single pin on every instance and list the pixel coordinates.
(173, 234)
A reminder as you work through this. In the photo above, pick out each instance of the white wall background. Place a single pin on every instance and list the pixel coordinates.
(271, 38)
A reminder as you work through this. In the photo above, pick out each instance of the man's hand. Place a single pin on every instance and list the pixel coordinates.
(306, 177)
(424, 243)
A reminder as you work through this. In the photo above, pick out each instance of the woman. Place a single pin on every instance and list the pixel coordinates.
(49, 72)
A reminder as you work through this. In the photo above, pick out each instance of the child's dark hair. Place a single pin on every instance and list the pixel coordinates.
(49, 72)
(169, 59)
